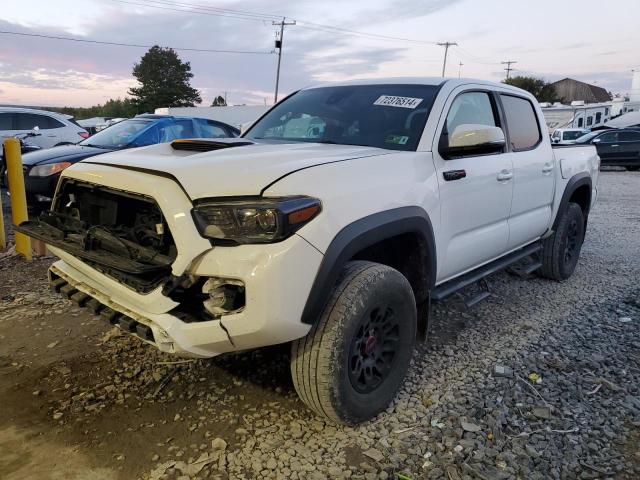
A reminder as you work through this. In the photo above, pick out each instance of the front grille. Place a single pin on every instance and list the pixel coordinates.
(122, 234)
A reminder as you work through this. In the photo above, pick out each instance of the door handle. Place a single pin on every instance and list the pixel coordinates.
(451, 175)
(547, 167)
(616, 145)
(505, 175)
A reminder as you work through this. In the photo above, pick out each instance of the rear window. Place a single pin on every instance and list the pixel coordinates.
(630, 136)
(383, 116)
(6, 121)
(524, 131)
(573, 135)
(26, 121)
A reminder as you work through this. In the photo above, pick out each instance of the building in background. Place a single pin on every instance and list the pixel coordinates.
(569, 90)
(587, 106)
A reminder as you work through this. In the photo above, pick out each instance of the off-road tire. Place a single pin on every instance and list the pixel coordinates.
(324, 363)
(561, 251)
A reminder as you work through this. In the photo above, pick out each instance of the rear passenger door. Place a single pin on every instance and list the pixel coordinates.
(629, 145)
(533, 168)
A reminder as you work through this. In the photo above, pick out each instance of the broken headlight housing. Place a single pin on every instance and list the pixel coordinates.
(253, 220)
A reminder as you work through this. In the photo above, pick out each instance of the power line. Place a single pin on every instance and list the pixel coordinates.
(135, 45)
(252, 16)
(446, 46)
(508, 63)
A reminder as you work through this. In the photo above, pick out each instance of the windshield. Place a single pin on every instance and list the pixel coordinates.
(587, 138)
(383, 116)
(118, 135)
(573, 134)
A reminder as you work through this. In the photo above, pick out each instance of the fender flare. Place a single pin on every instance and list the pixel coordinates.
(578, 180)
(361, 234)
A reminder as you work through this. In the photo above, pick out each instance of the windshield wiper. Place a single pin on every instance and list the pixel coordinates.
(95, 146)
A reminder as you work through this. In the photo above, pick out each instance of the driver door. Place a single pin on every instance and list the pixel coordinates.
(475, 189)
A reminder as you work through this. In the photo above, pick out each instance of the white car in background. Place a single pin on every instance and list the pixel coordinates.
(53, 128)
(567, 136)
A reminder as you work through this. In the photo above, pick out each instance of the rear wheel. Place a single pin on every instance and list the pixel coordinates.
(352, 362)
(560, 252)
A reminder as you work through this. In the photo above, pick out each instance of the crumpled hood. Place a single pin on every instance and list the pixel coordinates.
(233, 171)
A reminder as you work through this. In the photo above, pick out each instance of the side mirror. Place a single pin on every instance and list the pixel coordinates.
(472, 139)
(36, 129)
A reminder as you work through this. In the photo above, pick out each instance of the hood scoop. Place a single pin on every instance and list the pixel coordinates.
(206, 145)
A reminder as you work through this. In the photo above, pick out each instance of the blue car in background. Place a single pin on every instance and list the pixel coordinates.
(42, 168)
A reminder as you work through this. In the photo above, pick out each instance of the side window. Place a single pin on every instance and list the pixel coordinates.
(608, 137)
(580, 122)
(598, 117)
(524, 130)
(470, 108)
(209, 129)
(50, 122)
(26, 121)
(629, 136)
(589, 120)
(6, 121)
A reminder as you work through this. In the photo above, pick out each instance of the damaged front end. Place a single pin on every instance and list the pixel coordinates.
(120, 234)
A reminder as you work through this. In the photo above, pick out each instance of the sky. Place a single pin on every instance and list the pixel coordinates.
(589, 40)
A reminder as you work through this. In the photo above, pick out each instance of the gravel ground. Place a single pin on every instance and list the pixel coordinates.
(540, 381)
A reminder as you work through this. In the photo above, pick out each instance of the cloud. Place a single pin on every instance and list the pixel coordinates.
(307, 58)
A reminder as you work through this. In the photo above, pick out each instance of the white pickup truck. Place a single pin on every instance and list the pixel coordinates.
(332, 223)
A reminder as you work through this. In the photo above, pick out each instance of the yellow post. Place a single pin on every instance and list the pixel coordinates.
(19, 214)
(3, 238)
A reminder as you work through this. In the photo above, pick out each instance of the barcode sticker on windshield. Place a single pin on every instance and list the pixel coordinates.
(393, 101)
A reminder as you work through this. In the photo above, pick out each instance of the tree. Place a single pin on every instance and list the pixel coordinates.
(538, 87)
(219, 101)
(164, 81)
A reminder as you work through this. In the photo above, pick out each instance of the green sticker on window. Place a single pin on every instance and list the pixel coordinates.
(397, 139)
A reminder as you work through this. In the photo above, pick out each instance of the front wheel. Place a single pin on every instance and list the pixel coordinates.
(560, 252)
(353, 360)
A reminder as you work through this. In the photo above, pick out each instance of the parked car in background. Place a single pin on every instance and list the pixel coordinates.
(25, 147)
(53, 128)
(43, 168)
(567, 136)
(616, 147)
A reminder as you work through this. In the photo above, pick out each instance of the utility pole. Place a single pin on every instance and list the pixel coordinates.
(279, 47)
(508, 63)
(460, 68)
(446, 46)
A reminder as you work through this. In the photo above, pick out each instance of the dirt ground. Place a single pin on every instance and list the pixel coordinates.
(79, 400)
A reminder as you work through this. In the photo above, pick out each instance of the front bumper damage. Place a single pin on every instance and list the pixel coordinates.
(276, 277)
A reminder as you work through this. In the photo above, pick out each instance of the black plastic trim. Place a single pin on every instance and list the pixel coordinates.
(448, 288)
(578, 180)
(362, 234)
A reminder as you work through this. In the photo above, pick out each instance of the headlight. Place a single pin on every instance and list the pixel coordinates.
(49, 169)
(253, 220)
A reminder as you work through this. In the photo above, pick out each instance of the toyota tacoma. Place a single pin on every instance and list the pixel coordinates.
(332, 223)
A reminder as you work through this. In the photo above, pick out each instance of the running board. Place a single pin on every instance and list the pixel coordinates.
(452, 286)
(527, 270)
